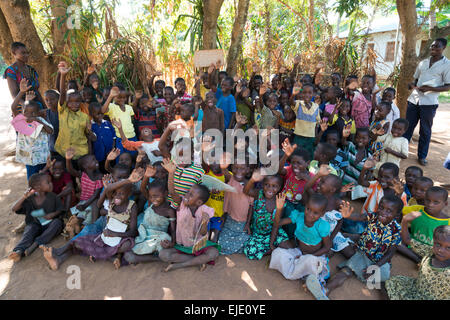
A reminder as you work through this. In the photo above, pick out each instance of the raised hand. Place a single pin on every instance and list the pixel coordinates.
(348, 187)
(324, 170)
(169, 165)
(70, 153)
(369, 164)
(150, 171)
(317, 98)
(49, 163)
(136, 175)
(226, 160)
(116, 122)
(113, 154)
(107, 179)
(280, 200)
(239, 87)
(296, 88)
(397, 186)
(30, 95)
(323, 125)
(140, 156)
(257, 175)
(62, 68)
(29, 192)
(91, 69)
(24, 87)
(241, 119)
(263, 89)
(346, 210)
(115, 91)
(288, 149)
(211, 68)
(347, 130)
(411, 216)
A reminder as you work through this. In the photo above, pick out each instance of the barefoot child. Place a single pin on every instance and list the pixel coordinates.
(377, 244)
(264, 236)
(42, 209)
(312, 235)
(423, 223)
(432, 282)
(122, 217)
(192, 221)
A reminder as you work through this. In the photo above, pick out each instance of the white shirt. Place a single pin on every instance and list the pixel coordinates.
(393, 115)
(437, 75)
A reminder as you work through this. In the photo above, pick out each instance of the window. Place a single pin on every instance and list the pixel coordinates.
(390, 46)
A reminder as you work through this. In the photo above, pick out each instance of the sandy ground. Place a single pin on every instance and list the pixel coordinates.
(233, 277)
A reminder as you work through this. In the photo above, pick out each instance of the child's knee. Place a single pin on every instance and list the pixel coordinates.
(212, 253)
(165, 255)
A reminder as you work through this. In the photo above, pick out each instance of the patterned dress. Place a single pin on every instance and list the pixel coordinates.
(261, 226)
(431, 284)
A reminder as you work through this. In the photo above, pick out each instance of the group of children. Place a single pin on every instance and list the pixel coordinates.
(125, 178)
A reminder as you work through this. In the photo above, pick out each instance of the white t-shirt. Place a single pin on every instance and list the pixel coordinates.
(437, 75)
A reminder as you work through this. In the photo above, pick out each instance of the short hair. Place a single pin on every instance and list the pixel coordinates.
(308, 85)
(436, 189)
(368, 76)
(442, 232)
(82, 160)
(94, 105)
(160, 185)
(32, 104)
(307, 77)
(319, 199)
(390, 166)
(128, 188)
(73, 93)
(204, 192)
(415, 168)
(17, 45)
(190, 106)
(179, 79)
(230, 80)
(403, 121)
(224, 73)
(394, 199)
(119, 85)
(333, 131)
(276, 176)
(336, 182)
(390, 89)
(170, 89)
(302, 153)
(337, 74)
(386, 104)
(443, 41)
(52, 92)
(423, 179)
(74, 83)
(258, 77)
(161, 82)
(337, 91)
(364, 130)
(121, 166)
(36, 178)
(328, 150)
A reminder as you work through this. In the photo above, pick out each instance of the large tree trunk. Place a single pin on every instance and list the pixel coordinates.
(211, 11)
(5, 40)
(58, 26)
(268, 34)
(21, 27)
(236, 37)
(408, 20)
(310, 28)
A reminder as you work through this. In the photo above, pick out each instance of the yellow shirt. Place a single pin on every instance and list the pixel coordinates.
(72, 126)
(114, 112)
(215, 200)
(306, 119)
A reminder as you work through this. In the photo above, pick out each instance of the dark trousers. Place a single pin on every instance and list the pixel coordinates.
(424, 114)
(35, 232)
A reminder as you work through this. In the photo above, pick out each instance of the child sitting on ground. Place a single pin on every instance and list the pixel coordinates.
(265, 237)
(422, 224)
(411, 174)
(432, 281)
(313, 242)
(117, 237)
(419, 189)
(356, 153)
(377, 244)
(42, 209)
(91, 185)
(192, 223)
(324, 154)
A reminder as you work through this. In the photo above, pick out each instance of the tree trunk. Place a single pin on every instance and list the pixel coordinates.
(21, 27)
(310, 25)
(236, 36)
(211, 11)
(58, 26)
(5, 40)
(268, 34)
(408, 20)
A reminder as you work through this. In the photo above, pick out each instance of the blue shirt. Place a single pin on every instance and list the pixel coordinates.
(227, 104)
(105, 138)
(310, 236)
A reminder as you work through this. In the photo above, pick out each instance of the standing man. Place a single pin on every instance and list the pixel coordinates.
(432, 76)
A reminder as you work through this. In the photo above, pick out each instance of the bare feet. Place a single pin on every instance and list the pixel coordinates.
(203, 267)
(168, 268)
(48, 255)
(20, 228)
(15, 256)
(31, 249)
(117, 263)
(92, 259)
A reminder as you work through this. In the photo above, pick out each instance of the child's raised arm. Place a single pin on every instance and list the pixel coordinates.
(137, 96)
(149, 173)
(63, 70)
(362, 180)
(70, 153)
(211, 73)
(288, 149)
(280, 200)
(324, 170)
(404, 232)
(348, 212)
(256, 177)
(23, 88)
(224, 164)
(18, 205)
(112, 155)
(171, 167)
(118, 124)
(112, 94)
(323, 127)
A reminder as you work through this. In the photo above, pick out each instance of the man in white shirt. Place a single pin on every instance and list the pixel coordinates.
(432, 76)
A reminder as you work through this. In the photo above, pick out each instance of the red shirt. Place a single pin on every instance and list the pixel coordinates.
(61, 183)
(293, 187)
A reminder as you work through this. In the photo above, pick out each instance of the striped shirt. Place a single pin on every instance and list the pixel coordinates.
(88, 186)
(306, 120)
(184, 179)
(147, 120)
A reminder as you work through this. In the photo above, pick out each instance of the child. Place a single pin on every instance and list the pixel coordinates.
(286, 124)
(379, 118)
(266, 116)
(323, 154)
(237, 206)
(90, 184)
(264, 236)
(419, 189)
(423, 222)
(105, 135)
(342, 119)
(51, 98)
(312, 235)
(296, 175)
(225, 100)
(42, 209)
(377, 244)
(332, 98)
(432, 281)
(122, 217)
(61, 181)
(32, 149)
(389, 96)
(121, 111)
(394, 145)
(192, 220)
(145, 114)
(74, 125)
(411, 174)
(386, 182)
(213, 117)
(307, 117)
(124, 158)
(181, 94)
(356, 153)
(362, 103)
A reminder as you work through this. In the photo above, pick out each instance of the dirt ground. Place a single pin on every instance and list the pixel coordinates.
(233, 277)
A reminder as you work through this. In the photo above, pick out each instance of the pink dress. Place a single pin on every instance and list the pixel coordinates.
(237, 204)
(187, 225)
(88, 186)
(361, 108)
